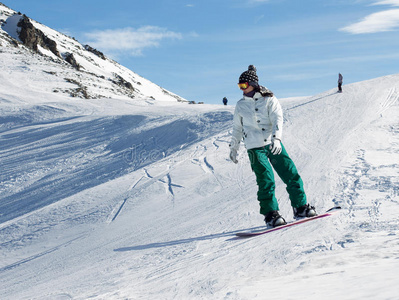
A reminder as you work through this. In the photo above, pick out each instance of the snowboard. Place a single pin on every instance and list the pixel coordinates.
(328, 213)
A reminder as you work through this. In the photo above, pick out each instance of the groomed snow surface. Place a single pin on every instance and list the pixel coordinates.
(136, 199)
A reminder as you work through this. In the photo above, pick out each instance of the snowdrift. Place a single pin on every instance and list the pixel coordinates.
(120, 199)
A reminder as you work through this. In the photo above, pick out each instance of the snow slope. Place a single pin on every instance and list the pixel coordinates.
(121, 199)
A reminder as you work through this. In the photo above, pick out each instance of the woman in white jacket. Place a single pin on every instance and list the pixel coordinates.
(258, 121)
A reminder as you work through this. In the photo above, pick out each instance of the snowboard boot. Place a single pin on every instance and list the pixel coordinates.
(274, 219)
(305, 211)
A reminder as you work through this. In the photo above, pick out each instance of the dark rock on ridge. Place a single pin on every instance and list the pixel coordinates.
(31, 37)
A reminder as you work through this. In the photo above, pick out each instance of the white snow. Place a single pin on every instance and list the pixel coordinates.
(115, 198)
(11, 26)
(120, 199)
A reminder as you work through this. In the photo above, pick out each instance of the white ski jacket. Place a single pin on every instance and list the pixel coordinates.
(257, 120)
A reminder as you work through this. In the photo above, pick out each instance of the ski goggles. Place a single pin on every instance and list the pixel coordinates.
(243, 85)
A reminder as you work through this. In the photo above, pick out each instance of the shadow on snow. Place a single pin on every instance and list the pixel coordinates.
(189, 240)
(46, 163)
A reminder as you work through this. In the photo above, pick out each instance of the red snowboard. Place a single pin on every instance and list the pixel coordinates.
(329, 212)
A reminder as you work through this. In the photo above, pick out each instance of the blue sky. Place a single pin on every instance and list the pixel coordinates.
(198, 48)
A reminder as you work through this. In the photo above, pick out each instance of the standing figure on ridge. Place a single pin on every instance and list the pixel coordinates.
(340, 80)
(258, 120)
(225, 101)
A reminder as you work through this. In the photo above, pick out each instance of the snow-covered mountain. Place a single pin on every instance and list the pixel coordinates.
(34, 56)
(110, 198)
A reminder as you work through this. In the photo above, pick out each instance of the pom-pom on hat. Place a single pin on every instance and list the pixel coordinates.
(249, 76)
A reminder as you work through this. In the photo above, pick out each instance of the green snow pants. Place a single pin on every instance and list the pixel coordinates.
(262, 161)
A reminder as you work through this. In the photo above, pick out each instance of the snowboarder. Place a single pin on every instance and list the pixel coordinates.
(340, 80)
(225, 101)
(258, 120)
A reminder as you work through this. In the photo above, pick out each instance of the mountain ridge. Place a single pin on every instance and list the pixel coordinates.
(90, 72)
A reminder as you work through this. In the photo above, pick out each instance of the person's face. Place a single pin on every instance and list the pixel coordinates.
(249, 89)
(245, 87)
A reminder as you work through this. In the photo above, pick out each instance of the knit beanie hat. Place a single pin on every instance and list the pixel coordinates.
(249, 76)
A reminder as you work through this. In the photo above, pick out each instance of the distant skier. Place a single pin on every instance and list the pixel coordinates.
(340, 80)
(225, 101)
(258, 119)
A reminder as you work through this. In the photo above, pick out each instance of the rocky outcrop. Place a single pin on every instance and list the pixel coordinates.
(122, 82)
(80, 91)
(71, 59)
(95, 51)
(31, 37)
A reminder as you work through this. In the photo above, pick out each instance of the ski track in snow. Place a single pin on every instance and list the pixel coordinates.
(391, 99)
(120, 207)
(38, 255)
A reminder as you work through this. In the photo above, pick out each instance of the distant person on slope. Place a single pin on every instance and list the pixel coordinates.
(258, 119)
(340, 80)
(225, 101)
